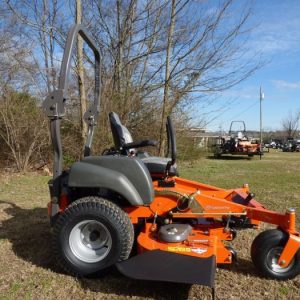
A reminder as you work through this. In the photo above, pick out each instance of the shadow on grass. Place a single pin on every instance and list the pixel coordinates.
(29, 232)
(230, 157)
(117, 284)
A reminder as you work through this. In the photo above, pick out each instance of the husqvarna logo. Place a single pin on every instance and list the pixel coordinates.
(211, 207)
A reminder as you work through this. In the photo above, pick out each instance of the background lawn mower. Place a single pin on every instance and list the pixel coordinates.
(236, 143)
(104, 206)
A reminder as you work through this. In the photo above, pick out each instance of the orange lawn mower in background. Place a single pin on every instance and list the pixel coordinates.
(107, 210)
(237, 143)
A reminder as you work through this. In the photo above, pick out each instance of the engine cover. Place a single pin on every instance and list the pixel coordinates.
(174, 233)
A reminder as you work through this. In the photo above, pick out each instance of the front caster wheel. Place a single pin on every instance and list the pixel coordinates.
(265, 252)
(92, 235)
(217, 152)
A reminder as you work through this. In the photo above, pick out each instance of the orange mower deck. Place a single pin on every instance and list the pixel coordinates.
(211, 206)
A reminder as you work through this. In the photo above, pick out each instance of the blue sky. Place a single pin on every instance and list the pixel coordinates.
(277, 37)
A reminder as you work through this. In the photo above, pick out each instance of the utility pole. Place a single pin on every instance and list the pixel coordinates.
(261, 97)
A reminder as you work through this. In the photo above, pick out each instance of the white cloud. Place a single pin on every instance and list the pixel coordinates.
(282, 38)
(286, 85)
(278, 28)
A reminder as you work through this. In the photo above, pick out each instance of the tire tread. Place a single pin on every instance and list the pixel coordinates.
(260, 247)
(110, 211)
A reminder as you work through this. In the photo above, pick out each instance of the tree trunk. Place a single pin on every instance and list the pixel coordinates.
(44, 45)
(120, 48)
(80, 70)
(165, 105)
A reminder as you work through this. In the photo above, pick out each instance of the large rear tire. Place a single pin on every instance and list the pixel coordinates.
(265, 251)
(92, 235)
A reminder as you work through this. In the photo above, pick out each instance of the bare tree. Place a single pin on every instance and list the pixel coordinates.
(203, 51)
(42, 26)
(165, 102)
(161, 55)
(19, 70)
(157, 56)
(290, 124)
(128, 37)
(22, 128)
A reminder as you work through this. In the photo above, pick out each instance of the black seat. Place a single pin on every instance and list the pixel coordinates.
(125, 145)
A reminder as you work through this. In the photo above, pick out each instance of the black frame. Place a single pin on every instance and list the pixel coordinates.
(54, 107)
(54, 104)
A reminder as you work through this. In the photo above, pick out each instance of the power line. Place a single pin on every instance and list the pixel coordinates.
(240, 113)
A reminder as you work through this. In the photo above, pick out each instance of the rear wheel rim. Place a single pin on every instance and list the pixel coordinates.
(90, 241)
(272, 261)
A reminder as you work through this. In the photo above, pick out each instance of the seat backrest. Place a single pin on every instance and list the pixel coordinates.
(239, 135)
(121, 134)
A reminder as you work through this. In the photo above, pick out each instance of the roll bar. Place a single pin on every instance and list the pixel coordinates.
(55, 102)
(230, 129)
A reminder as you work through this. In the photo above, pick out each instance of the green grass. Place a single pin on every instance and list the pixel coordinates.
(27, 269)
(15, 287)
(284, 290)
(275, 179)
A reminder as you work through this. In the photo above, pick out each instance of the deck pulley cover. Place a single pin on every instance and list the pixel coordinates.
(174, 233)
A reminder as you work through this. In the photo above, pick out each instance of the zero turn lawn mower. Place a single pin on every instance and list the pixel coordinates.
(104, 206)
(237, 143)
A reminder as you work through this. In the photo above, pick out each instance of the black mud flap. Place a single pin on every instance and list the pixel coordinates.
(160, 265)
